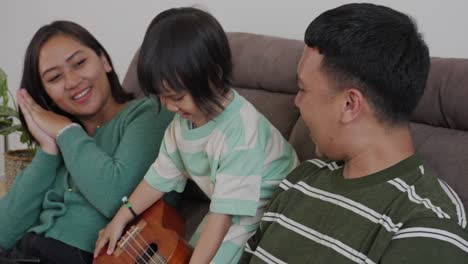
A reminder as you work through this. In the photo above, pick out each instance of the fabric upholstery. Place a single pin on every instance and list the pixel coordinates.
(264, 71)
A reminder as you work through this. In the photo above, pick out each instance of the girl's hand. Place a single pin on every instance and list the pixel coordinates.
(142, 197)
(48, 121)
(46, 142)
(111, 234)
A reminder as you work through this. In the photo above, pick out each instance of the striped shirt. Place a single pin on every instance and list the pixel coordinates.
(402, 214)
(237, 159)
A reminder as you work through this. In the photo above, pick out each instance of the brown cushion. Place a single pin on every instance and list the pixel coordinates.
(130, 82)
(301, 141)
(445, 100)
(445, 151)
(265, 62)
(278, 108)
(264, 71)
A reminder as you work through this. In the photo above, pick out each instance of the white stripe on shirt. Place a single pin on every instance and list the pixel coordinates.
(249, 117)
(321, 164)
(438, 234)
(285, 184)
(237, 187)
(317, 237)
(456, 201)
(346, 203)
(414, 197)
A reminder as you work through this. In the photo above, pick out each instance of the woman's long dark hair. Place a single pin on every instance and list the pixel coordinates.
(31, 79)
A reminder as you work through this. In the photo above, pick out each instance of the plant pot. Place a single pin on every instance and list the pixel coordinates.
(15, 162)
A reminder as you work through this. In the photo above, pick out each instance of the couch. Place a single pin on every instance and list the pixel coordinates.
(265, 73)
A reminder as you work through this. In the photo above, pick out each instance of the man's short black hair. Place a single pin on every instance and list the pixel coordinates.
(377, 50)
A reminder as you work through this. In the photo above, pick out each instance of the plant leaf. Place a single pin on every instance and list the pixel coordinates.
(3, 87)
(10, 129)
(4, 122)
(6, 111)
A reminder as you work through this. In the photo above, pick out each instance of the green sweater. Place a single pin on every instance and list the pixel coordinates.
(402, 214)
(71, 196)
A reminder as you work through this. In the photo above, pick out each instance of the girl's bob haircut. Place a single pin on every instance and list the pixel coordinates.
(186, 50)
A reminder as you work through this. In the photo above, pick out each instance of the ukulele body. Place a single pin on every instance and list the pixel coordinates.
(157, 237)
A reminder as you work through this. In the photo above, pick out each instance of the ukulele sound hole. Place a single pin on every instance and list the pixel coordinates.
(149, 252)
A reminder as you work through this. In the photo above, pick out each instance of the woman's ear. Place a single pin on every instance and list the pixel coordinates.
(353, 104)
(105, 63)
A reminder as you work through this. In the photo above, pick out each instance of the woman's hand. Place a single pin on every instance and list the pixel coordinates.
(46, 142)
(109, 235)
(48, 121)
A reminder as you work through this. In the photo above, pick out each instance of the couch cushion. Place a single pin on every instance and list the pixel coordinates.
(301, 141)
(130, 82)
(265, 62)
(278, 108)
(440, 131)
(445, 151)
(264, 71)
(445, 100)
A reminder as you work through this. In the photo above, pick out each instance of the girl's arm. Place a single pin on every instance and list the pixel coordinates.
(142, 198)
(211, 237)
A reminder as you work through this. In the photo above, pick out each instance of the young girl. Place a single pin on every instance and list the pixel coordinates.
(216, 139)
(89, 131)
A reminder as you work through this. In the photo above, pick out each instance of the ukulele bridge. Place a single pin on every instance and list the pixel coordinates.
(130, 236)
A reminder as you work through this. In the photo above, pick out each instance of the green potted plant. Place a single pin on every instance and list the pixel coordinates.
(15, 160)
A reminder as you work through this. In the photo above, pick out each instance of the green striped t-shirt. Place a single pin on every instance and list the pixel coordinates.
(402, 214)
(237, 159)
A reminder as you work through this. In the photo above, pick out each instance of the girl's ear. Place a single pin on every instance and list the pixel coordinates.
(105, 63)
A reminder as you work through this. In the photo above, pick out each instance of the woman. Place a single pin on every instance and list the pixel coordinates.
(96, 143)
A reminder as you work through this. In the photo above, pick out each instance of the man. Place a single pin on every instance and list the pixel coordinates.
(361, 74)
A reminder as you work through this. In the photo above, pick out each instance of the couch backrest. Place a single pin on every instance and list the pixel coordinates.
(265, 73)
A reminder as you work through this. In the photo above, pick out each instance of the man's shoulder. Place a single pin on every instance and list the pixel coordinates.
(312, 169)
(432, 197)
(447, 237)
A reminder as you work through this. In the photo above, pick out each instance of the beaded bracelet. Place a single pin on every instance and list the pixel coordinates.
(129, 206)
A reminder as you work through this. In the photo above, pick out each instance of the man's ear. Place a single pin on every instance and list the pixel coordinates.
(352, 105)
(105, 63)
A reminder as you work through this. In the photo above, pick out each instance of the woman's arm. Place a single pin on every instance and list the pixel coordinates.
(110, 169)
(211, 237)
(21, 206)
(103, 175)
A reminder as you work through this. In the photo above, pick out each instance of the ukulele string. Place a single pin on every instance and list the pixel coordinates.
(160, 258)
(142, 248)
(129, 253)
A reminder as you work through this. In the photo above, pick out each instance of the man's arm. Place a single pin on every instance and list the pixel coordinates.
(428, 241)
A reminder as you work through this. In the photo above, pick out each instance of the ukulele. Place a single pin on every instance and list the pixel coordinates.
(157, 237)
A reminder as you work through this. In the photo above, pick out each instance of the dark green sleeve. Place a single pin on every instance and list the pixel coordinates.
(428, 241)
(21, 206)
(102, 178)
(294, 176)
(255, 240)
